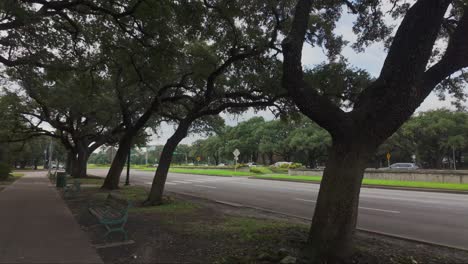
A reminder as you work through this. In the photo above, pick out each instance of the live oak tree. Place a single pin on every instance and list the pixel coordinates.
(310, 141)
(147, 64)
(232, 65)
(433, 137)
(64, 37)
(83, 117)
(415, 65)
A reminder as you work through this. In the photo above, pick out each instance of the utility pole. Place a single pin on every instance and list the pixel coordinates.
(454, 161)
(146, 156)
(50, 155)
(127, 180)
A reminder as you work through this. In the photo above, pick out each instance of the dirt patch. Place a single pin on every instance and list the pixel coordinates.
(193, 230)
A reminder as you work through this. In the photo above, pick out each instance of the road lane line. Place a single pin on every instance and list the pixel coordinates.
(196, 180)
(149, 183)
(380, 210)
(229, 203)
(171, 183)
(360, 207)
(205, 186)
(274, 187)
(182, 181)
(305, 200)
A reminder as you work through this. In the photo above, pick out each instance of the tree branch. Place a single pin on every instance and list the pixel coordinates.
(311, 103)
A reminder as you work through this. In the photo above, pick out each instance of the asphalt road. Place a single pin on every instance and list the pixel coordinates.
(439, 218)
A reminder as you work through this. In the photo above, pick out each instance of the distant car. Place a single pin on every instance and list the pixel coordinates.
(155, 165)
(191, 164)
(252, 164)
(54, 166)
(280, 163)
(403, 166)
(221, 164)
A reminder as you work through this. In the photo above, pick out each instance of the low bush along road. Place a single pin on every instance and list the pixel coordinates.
(440, 218)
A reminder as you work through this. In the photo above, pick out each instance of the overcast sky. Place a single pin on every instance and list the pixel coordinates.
(371, 60)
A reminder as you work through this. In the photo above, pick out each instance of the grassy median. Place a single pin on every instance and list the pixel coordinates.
(208, 172)
(211, 172)
(373, 182)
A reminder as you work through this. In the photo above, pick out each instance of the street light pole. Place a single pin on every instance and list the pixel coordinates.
(127, 180)
(50, 156)
(454, 161)
(146, 156)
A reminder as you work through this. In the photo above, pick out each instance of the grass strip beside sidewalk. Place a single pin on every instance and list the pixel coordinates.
(11, 179)
(375, 182)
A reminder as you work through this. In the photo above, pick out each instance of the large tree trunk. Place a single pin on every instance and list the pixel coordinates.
(270, 158)
(159, 181)
(311, 159)
(216, 159)
(336, 211)
(69, 164)
(118, 163)
(79, 167)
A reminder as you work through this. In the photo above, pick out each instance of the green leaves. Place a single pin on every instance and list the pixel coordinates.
(430, 135)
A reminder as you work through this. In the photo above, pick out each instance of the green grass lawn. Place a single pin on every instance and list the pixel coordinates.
(98, 166)
(411, 184)
(12, 178)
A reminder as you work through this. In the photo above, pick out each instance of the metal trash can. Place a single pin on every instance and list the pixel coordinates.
(61, 180)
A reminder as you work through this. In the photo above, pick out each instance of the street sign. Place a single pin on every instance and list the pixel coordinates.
(236, 153)
(388, 156)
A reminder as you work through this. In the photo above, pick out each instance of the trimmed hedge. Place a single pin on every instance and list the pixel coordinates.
(5, 171)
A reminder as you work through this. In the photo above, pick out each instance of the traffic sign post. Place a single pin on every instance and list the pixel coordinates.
(388, 159)
(236, 153)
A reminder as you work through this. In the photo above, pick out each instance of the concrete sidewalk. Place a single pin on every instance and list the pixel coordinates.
(37, 227)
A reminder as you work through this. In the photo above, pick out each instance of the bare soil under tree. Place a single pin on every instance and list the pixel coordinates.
(192, 230)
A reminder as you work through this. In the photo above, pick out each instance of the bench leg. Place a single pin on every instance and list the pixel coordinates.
(117, 229)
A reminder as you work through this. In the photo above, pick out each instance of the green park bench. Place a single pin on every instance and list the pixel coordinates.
(113, 214)
(72, 190)
(53, 176)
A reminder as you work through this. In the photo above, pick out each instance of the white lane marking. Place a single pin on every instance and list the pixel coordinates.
(229, 203)
(278, 188)
(305, 200)
(360, 207)
(380, 210)
(149, 183)
(196, 180)
(205, 186)
(181, 181)
(171, 183)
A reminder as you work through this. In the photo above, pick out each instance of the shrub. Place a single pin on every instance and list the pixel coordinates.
(5, 171)
(260, 170)
(295, 166)
(284, 166)
(240, 165)
(275, 169)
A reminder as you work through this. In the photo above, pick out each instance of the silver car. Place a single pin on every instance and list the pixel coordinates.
(403, 166)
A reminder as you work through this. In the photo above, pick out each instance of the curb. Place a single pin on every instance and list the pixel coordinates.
(364, 230)
(376, 186)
